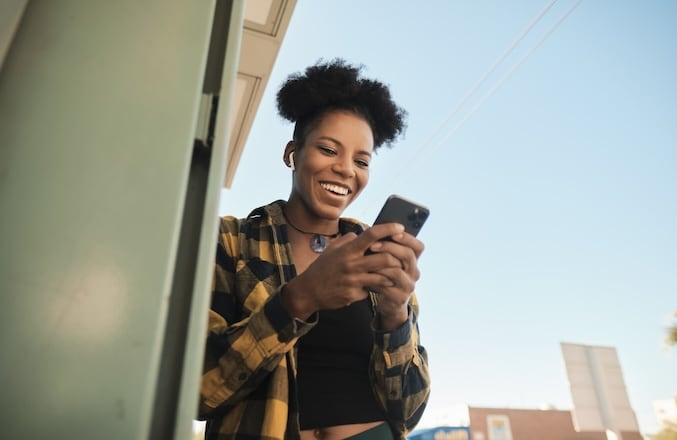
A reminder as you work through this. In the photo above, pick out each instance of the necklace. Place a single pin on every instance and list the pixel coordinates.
(318, 242)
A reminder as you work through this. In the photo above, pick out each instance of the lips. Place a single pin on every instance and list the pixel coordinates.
(337, 189)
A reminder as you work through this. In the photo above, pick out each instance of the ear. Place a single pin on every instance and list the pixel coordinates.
(289, 155)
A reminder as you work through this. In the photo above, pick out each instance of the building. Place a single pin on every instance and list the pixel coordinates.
(530, 424)
(441, 433)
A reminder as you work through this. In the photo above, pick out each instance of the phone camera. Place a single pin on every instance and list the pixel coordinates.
(417, 217)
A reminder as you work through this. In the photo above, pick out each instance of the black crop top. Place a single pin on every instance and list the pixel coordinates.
(334, 387)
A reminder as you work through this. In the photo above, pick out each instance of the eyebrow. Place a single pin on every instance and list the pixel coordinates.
(337, 142)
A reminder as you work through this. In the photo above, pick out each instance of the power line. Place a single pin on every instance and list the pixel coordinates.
(407, 166)
(486, 74)
(507, 75)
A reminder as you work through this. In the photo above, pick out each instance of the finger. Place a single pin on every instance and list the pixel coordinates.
(394, 280)
(405, 255)
(408, 240)
(389, 299)
(381, 260)
(379, 232)
(342, 240)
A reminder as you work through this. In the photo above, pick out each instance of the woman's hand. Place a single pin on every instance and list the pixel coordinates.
(401, 280)
(342, 273)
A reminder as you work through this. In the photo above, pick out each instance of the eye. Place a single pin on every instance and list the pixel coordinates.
(362, 163)
(327, 150)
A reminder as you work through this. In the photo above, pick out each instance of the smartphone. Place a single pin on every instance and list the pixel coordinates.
(400, 210)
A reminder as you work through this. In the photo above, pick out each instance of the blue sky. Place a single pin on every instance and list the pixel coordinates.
(551, 183)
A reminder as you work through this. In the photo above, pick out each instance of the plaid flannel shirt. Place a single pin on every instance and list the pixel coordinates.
(248, 388)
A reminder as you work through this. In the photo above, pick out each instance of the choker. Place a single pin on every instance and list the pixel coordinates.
(318, 242)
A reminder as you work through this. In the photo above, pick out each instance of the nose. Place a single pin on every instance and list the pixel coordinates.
(345, 166)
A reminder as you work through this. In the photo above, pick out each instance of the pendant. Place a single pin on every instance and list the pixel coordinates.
(318, 243)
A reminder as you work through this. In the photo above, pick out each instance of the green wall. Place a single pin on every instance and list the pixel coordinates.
(98, 109)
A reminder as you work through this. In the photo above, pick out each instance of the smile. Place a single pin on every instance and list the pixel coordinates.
(336, 189)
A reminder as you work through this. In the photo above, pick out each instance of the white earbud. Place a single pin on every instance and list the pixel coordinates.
(291, 161)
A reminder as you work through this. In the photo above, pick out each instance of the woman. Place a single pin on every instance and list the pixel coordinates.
(311, 336)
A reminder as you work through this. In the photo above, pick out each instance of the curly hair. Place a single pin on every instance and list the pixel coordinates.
(336, 85)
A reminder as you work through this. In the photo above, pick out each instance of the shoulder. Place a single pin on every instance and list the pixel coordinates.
(258, 218)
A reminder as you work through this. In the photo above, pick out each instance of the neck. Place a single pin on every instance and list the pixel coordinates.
(309, 231)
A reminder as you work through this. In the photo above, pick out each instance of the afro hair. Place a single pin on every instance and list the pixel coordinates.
(337, 85)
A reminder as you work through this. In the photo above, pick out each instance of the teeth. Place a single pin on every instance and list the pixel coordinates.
(335, 188)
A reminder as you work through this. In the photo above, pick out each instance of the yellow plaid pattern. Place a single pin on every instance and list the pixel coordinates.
(248, 382)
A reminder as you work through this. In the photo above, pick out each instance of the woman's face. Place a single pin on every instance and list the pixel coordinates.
(332, 167)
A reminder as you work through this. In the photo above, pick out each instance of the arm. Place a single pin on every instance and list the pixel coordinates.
(399, 369)
(249, 331)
